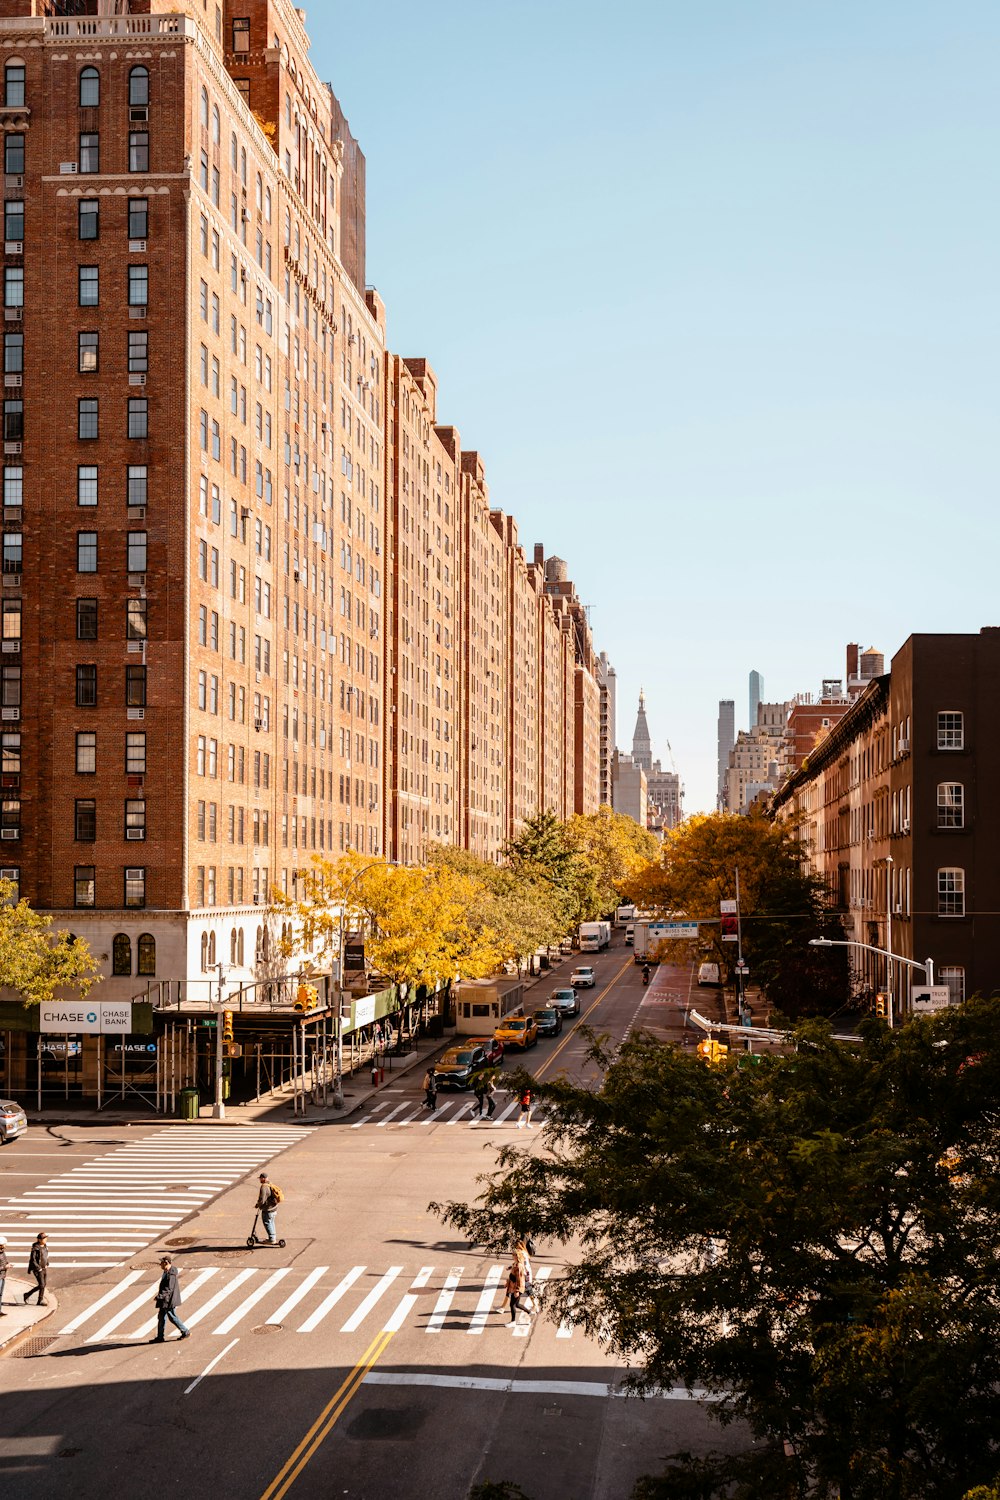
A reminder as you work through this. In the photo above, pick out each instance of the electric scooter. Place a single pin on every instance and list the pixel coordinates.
(254, 1239)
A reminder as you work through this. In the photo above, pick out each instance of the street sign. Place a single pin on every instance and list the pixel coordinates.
(741, 967)
(927, 998)
(208, 1021)
(93, 1018)
(674, 930)
(728, 921)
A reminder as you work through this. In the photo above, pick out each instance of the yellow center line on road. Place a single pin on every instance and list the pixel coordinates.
(588, 1012)
(327, 1419)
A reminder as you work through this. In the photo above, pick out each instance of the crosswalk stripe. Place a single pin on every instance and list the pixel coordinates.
(447, 1295)
(469, 1105)
(251, 1302)
(331, 1299)
(360, 1313)
(521, 1330)
(386, 1118)
(95, 1308)
(486, 1298)
(399, 1317)
(297, 1296)
(145, 1329)
(220, 1296)
(125, 1313)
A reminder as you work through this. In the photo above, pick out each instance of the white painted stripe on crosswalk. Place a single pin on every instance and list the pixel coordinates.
(126, 1312)
(463, 1110)
(188, 1289)
(486, 1298)
(361, 1312)
(331, 1299)
(250, 1302)
(447, 1295)
(407, 1304)
(398, 1110)
(90, 1312)
(297, 1296)
(220, 1296)
(505, 1112)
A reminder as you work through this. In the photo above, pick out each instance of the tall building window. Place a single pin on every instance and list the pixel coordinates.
(138, 87)
(88, 221)
(138, 417)
(86, 619)
(138, 352)
(12, 551)
(86, 685)
(10, 816)
(137, 480)
(10, 689)
(241, 33)
(11, 631)
(13, 485)
(85, 820)
(135, 886)
(83, 885)
(952, 976)
(137, 551)
(950, 804)
(951, 893)
(90, 88)
(950, 730)
(135, 754)
(13, 75)
(138, 151)
(86, 752)
(87, 427)
(135, 818)
(146, 966)
(13, 353)
(13, 286)
(121, 954)
(86, 552)
(88, 286)
(13, 155)
(135, 619)
(13, 219)
(87, 352)
(135, 687)
(90, 152)
(138, 286)
(13, 421)
(138, 218)
(86, 484)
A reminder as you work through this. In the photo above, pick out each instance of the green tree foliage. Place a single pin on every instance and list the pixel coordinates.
(35, 961)
(520, 909)
(815, 1240)
(781, 903)
(609, 848)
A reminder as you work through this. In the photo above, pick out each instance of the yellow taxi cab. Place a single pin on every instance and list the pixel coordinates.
(517, 1031)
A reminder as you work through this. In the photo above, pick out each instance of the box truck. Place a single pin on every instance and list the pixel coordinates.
(594, 936)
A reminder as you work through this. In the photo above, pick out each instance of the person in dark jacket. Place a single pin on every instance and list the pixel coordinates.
(168, 1300)
(38, 1266)
(4, 1268)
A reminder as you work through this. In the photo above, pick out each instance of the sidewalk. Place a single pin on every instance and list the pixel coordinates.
(18, 1316)
(358, 1089)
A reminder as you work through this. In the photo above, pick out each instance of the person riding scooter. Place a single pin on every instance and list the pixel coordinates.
(645, 973)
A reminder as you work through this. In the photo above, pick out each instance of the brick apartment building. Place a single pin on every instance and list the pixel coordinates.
(256, 604)
(900, 810)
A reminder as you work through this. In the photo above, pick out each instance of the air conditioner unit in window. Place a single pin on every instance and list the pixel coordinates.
(12, 448)
(904, 827)
(13, 247)
(135, 713)
(12, 314)
(137, 380)
(137, 512)
(135, 580)
(68, 168)
(13, 713)
(137, 247)
(258, 724)
(138, 112)
(14, 380)
(12, 580)
(904, 745)
(134, 646)
(10, 833)
(10, 646)
(135, 833)
(898, 911)
(13, 180)
(137, 312)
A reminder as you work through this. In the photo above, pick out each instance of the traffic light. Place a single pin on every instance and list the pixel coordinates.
(306, 997)
(712, 1052)
(881, 1005)
(227, 1026)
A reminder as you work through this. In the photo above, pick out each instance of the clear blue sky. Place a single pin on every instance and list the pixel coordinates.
(713, 289)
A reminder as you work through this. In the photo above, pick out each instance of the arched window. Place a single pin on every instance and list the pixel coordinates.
(259, 953)
(14, 84)
(138, 87)
(121, 953)
(265, 947)
(90, 88)
(232, 946)
(267, 205)
(239, 948)
(147, 955)
(204, 951)
(211, 950)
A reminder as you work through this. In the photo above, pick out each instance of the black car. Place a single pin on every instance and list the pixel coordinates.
(548, 1020)
(457, 1067)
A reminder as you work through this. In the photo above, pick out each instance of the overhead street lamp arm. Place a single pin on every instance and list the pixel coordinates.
(913, 963)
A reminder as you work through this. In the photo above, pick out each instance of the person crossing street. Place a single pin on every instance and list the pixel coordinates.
(430, 1089)
(268, 1198)
(4, 1268)
(38, 1267)
(167, 1301)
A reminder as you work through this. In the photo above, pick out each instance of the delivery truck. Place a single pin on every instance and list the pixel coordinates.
(594, 936)
(646, 939)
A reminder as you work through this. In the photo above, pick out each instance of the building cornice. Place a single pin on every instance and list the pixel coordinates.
(874, 701)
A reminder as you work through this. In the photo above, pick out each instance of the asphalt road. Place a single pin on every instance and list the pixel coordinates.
(370, 1357)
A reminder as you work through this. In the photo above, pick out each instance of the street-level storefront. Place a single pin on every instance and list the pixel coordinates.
(76, 1052)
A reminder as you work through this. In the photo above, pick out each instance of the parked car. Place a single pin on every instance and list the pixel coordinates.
(566, 1001)
(548, 1020)
(517, 1031)
(583, 977)
(492, 1048)
(13, 1121)
(709, 974)
(457, 1068)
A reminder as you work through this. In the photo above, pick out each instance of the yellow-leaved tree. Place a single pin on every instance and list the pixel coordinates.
(35, 961)
(610, 849)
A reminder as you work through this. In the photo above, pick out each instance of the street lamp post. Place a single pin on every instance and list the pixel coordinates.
(338, 1082)
(911, 963)
(219, 1107)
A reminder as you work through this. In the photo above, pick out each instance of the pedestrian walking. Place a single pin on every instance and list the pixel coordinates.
(491, 1096)
(479, 1089)
(430, 1088)
(515, 1289)
(167, 1301)
(524, 1118)
(38, 1266)
(4, 1268)
(523, 1258)
(268, 1198)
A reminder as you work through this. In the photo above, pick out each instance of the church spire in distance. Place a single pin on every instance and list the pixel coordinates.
(642, 747)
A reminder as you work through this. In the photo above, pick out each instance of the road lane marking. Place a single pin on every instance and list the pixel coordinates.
(211, 1366)
(250, 1302)
(326, 1420)
(580, 1021)
(436, 1321)
(406, 1306)
(364, 1308)
(486, 1297)
(533, 1387)
(331, 1299)
(89, 1312)
(298, 1294)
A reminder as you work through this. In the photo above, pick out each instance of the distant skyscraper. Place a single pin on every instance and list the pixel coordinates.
(727, 738)
(608, 683)
(642, 747)
(756, 693)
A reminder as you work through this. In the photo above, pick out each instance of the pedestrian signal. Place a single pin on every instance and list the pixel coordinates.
(227, 1025)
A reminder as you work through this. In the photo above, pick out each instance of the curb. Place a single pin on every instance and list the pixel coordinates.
(19, 1318)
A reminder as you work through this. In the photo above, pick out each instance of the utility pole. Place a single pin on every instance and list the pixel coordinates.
(219, 1109)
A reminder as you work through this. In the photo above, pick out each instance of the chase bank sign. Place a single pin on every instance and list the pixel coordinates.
(103, 1018)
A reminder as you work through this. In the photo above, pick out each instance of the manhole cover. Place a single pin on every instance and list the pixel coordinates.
(33, 1347)
(267, 1328)
(181, 1239)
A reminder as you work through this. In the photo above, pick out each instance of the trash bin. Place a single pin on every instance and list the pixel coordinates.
(190, 1103)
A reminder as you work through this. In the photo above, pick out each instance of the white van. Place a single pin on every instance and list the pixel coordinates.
(709, 974)
(630, 934)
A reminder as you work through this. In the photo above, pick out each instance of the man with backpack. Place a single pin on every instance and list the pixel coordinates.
(268, 1198)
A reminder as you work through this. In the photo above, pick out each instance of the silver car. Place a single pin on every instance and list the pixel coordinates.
(13, 1120)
